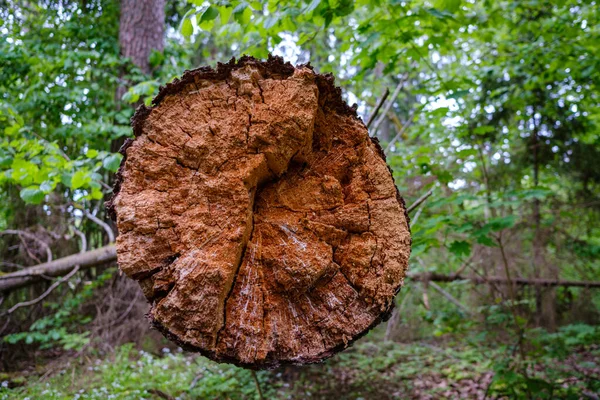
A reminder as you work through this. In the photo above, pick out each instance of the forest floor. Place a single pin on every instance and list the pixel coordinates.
(560, 365)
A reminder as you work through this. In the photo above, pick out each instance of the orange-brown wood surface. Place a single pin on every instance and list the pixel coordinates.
(259, 218)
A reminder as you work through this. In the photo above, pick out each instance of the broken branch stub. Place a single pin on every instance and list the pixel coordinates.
(259, 218)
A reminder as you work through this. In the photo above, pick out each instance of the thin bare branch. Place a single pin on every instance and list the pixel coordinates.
(52, 145)
(83, 240)
(413, 220)
(448, 296)
(260, 395)
(11, 265)
(377, 107)
(465, 264)
(32, 237)
(104, 225)
(45, 294)
(502, 280)
(389, 104)
(419, 201)
(122, 316)
(406, 125)
(393, 321)
(160, 394)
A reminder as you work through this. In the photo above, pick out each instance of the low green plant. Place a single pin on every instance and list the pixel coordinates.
(64, 325)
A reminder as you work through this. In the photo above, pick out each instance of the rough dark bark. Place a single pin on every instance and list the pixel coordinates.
(258, 216)
(141, 30)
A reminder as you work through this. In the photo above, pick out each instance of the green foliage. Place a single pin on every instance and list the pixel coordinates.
(58, 114)
(523, 381)
(133, 374)
(460, 364)
(64, 326)
(147, 89)
(59, 81)
(503, 103)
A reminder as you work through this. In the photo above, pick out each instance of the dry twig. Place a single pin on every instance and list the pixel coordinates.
(377, 107)
(419, 201)
(389, 104)
(31, 236)
(408, 123)
(45, 294)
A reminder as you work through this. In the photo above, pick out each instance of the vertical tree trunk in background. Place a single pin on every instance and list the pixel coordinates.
(141, 30)
(537, 250)
(544, 298)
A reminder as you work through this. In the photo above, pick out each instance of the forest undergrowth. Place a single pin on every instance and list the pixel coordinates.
(565, 364)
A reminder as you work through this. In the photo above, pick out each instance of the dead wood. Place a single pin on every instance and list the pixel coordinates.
(258, 216)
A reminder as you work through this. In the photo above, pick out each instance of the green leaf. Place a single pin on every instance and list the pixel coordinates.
(187, 28)
(32, 195)
(486, 241)
(457, 94)
(451, 5)
(257, 5)
(156, 58)
(12, 129)
(466, 153)
(206, 25)
(499, 223)
(242, 14)
(47, 186)
(66, 178)
(440, 14)
(482, 130)
(270, 22)
(460, 248)
(209, 14)
(112, 162)
(91, 153)
(5, 161)
(538, 193)
(80, 179)
(130, 97)
(246, 16)
(225, 13)
(96, 194)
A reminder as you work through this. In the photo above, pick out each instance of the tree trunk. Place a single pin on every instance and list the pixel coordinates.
(141, 30)
(258, 216)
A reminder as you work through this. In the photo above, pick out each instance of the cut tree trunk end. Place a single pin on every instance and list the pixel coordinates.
(259, 218)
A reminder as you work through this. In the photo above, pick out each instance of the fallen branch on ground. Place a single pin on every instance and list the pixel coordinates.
(58, 267)
(435, 277)
(45, 294)
(108, 254)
